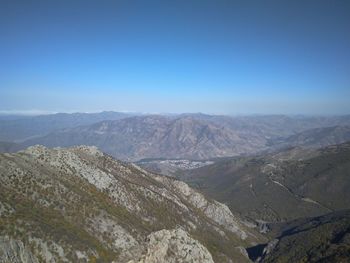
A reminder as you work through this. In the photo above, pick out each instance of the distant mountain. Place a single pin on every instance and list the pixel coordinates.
(271, 127)
(80, 205)
(156, 136)
(20, 128)
(317, 138)
(188, 136)
(319, 239)
(290, 184)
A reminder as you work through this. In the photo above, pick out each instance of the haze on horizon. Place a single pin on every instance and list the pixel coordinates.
(220, 57)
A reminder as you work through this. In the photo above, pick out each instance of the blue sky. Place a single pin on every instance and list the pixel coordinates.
(222, 57)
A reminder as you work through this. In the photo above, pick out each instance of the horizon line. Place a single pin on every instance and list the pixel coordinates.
(35, 112)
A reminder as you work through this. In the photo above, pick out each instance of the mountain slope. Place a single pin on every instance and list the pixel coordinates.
(283, 186)
(81, 205)
(319, 239)
(272, 127)
(317, 138)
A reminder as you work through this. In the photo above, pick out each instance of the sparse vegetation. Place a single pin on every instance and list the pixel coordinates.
(74, 200)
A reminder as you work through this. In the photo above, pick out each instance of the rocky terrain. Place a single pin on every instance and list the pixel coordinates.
(281, 186)
(80, 205)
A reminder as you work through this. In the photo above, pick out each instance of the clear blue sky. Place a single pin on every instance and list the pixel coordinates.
(232, 57)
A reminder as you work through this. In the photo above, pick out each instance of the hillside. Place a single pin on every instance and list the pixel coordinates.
(273, 127)
(80, 205)
(286, 185)
(319, 239)
(316, 138)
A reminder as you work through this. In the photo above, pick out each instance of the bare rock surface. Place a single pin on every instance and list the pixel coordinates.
(174, 246)
(14, 251)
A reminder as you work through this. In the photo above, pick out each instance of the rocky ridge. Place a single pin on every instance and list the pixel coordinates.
(81, 205)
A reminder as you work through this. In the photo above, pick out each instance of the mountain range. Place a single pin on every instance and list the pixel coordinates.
(187, 136)
(209, 189)
(152, 137)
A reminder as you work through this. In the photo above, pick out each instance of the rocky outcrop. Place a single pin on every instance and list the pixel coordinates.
(81, 205)
(14, 251)
(174, 246)
(214, 210)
